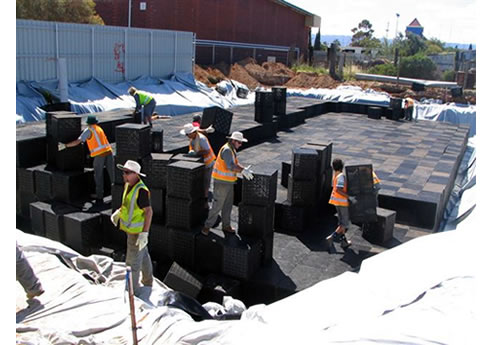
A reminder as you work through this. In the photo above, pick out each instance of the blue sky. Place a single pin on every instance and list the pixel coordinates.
(448, 20)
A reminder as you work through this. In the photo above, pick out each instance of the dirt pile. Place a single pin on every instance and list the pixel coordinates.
(250, 73)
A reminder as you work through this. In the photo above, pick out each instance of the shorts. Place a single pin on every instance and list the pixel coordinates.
(343, 216)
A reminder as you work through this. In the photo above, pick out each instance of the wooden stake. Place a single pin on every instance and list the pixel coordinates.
(132, 304)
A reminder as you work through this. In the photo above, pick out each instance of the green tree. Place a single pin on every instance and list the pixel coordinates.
(417, 66)
(362, 36)
(317, 40)
(71, 11)
(412, 45)
(434, 46)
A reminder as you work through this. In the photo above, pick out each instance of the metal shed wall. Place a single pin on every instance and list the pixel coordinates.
(109, 53)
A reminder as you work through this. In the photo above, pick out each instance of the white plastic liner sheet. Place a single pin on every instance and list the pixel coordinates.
(178, 95)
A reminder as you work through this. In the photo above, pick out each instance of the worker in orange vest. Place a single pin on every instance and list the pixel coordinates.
(224, 174)
(100, 150)
(340, 199)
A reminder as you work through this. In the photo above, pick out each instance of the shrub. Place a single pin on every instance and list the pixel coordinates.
(417, 66)
(448, 75)
(384, 69)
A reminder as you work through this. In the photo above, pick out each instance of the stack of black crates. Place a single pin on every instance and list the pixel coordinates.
(186, 209)
(221, 120)
(264, 106)
(308, 186)
(396, 108)
(360, 186)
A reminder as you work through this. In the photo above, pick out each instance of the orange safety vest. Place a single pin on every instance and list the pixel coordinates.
(336, 198)
(375, 178)
(98, 143)
(209, 157)
(221, 172)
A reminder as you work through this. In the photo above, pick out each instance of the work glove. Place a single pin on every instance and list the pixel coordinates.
(247, 172)
(142, 240)
(115, 217)
(352, 200)
(61, 146)
(210, 129)
(192, 153)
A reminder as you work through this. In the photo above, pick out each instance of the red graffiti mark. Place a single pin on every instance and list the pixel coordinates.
(118, 51)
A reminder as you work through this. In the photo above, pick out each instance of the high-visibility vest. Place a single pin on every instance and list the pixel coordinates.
(143, 97)
(375, 178)
(132, 217)
(336, 198)
(221, 172)
(409, 102)
(209, 157)
(98, 143)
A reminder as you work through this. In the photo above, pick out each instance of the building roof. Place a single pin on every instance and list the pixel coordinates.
(314, 20)
(415, 23)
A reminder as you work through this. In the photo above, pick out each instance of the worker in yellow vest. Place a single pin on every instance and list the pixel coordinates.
(199, 146)
(340, 199)
(409, 105)
(224, 174)
(147, 101)
(135, 217)
(100, 150)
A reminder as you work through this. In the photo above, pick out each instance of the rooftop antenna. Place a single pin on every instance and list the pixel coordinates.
(396, 30)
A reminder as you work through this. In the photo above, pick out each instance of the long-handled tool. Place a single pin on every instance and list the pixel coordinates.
(132, 304)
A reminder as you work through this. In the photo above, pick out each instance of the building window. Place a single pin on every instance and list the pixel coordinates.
(143, 6)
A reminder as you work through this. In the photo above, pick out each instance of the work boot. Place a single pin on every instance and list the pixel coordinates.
(32, 294)
(205, 231)
(229, 229)
(345, 243)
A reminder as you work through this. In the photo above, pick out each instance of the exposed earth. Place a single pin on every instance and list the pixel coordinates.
(270, 74)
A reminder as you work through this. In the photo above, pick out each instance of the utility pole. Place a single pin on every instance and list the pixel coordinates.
(396, 30)
(129, 13)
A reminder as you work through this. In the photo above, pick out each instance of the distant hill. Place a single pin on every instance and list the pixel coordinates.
(345, 41)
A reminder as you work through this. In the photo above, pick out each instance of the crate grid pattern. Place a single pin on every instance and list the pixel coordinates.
(53, 224)
(156, 169)
(82, 231)
(359, 179)
(181, 280)
(25, 180)
(181, 246)
(302, 192)
(43, 180)
(185, 180)
(133, 140)
(255, 221)
(184, 213)
(243, 260)
(304, 164)
(261, 190)
(65, 128)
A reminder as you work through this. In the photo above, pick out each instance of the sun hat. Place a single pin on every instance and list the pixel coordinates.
(188, 129)
(132, 166)
(238, 136)
(91, 120)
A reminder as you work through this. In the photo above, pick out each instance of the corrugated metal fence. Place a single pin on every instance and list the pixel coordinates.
(107, 52)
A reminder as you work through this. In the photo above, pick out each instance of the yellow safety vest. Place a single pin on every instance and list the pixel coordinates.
(209, 158)
(143, 97)
(336, 198)
(132, 217)
(221, 172)
(98, 142)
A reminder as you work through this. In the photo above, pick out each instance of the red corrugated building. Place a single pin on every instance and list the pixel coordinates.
(259, 22)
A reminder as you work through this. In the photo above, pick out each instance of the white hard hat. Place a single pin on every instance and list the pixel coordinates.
(188, 129)
(132, 166)
(238, 136)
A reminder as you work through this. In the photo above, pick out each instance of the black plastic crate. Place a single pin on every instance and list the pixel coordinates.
(157, 142)
(209, 252)
(266, 249)
(53, 224)
(112, 236)
(323, 155)
(185, 213)
(261, 190)
(69, 159)
(26, 180)
(186, 180)
(242, 258)
(158, 241)
(290, 218)
(216, 287)
(157, 200)
(279, 94)
(305, 164)
(179, 279)
(380, 231)
(255, 221)
(185, 157)
(37, 217)
(30, 150)
(70, 186)
(238, 191)
(181, 246)
(359, 178)
(395, 103)
(327, 150)
(364, 209)
(217, 117)
(284, 179)
(374, 113)
(263, 114)
(43, 180)
(65, 128)
(22, 203)
(280, 108)
(133, 140)
(83, 231)
(264, 99)
(302, 193)
(116, 196)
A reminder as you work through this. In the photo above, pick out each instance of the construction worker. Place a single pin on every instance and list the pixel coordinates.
(197, 121)
(26, 276)
(224, 174)
(376, 182)
(147, 101)
(100, 151)
(409, 104)
(340, 199)
(134, 217)
(199, 146)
